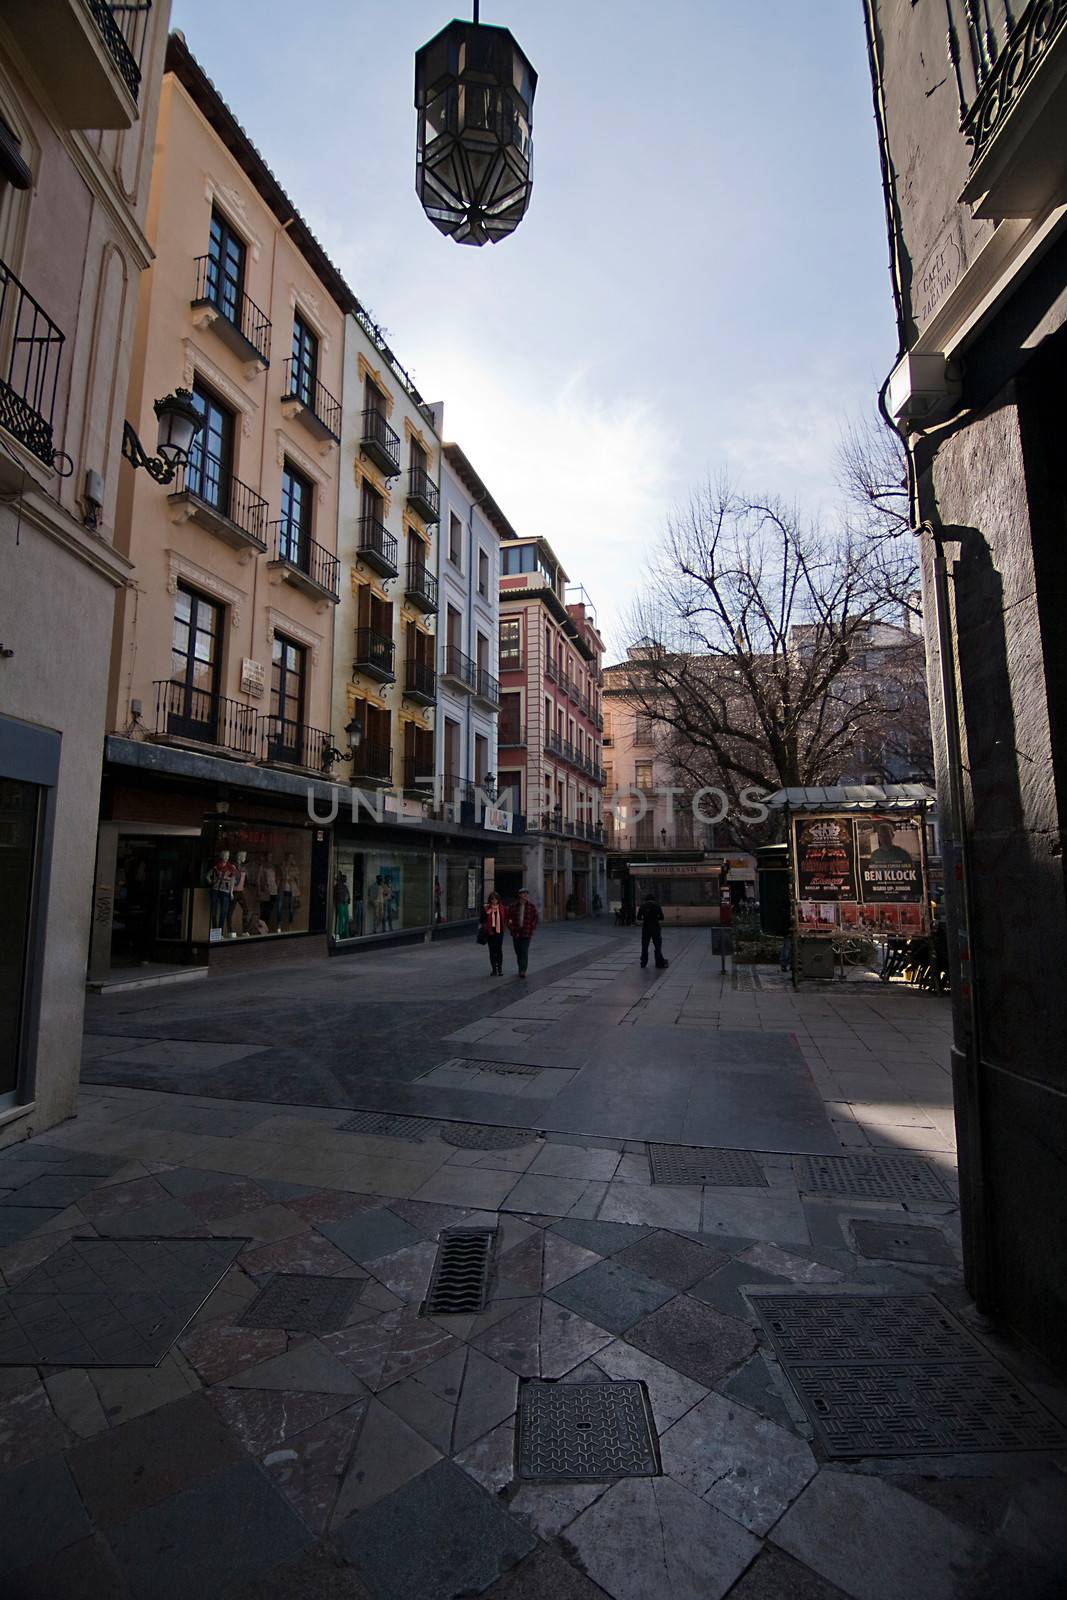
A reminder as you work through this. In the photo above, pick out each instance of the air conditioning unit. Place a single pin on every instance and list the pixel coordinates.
(924, 389)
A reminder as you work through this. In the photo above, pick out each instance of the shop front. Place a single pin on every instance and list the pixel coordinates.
(396, 882)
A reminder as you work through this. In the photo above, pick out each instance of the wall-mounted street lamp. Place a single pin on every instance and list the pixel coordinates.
(663, 838)
(179, 424)
(474, 91)
(330, 752)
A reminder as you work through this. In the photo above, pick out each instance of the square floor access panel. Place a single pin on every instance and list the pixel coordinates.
(586, 1432)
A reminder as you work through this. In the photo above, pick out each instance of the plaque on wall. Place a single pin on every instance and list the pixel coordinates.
(252, 678)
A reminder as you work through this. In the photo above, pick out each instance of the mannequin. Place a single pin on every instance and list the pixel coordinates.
(341, 901)
(239, 898)
(267, 890)
(221, 880)
(289, 894)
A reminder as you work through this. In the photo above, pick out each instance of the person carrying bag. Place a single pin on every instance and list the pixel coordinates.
(491, 932)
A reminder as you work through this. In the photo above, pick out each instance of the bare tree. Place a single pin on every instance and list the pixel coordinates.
(872, 473)
(755, 634)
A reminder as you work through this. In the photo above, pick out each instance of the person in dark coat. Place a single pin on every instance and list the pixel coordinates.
(494, 921)
(650, 916)
(522, 921)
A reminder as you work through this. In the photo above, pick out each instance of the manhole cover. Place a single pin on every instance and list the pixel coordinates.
(888, 1241)
(872, 1177)
(110, 1302)
(389, 1127)
(301, 1303)
(680, 1163)
(589, 1432)
(476, 1136)
(460, 1273)
(506, 1069)
(817, 1327)
(922, 1407)
(896, 1375)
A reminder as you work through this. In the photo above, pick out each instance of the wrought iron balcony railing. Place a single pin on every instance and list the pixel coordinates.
(995, 49)
(319, 404)
(122, 27)
(202, 717)
(209, 482)
(373, 760)
(416, 777)
(511, 661)
(420, 682)
(423, 496)
(378, 441)
(376, 546)
(459, 667)
(487, 687)
(374, 654)
(511, 735)
(304, 559)
(32, 347)
(421, 586)
(293, 744)
(551, 670)
(250, 327)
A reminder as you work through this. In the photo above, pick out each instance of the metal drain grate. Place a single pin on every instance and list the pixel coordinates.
(922, 1408)
(871, 1177)
(476, 1136)
(301, 1303)
(890, 1241)
(586, 1432)
(680, 1163)
(886, 1375)
(506, 1069)
(816, 1327)
(389, 1127)
(460, 1274)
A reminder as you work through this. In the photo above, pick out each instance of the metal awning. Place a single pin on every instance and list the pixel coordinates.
(854, 797)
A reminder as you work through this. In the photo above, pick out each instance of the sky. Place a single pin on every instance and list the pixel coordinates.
(700, 284)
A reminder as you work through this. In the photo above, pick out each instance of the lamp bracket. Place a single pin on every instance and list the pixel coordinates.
(136, 454)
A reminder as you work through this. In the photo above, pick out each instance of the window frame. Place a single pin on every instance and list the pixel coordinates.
(229, 245)
(304, 353)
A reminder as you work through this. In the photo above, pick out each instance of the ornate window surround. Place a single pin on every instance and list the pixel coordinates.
(230, 200)
(280, 622)
(374, 374)
(197, 364)
(287, 447)
(179, 566)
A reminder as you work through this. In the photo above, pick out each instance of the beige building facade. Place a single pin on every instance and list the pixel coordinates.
(222, 661)
(78, 98)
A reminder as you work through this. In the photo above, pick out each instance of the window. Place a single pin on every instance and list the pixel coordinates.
(642, 729)
(643, 775)
(520, 558)
(373, 398)
(225, 268)
(305, 362)
(210, 465)
(481, 758)
(609, 779)
(483, 573)
(607, 727)
(416, 554)
(294, 531)
(194, 665)
(510, 644)
(288, 670)
(451, 754)
(455, 540)
(371, 503)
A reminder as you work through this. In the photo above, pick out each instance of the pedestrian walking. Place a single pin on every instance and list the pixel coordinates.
(522, 921)
(494, 921)
(651, 916)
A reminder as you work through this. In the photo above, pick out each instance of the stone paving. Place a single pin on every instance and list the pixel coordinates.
(364, 1450)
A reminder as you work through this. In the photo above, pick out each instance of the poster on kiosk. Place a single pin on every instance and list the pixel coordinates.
(859, 875)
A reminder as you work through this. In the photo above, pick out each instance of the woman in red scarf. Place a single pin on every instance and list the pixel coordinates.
(494, 921)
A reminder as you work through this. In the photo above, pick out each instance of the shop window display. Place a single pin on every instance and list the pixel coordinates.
(255, 880)
(461, 877)
(380, 891)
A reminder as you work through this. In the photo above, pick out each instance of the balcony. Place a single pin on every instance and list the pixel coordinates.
(33, 346)
(293, 744)
(308, 566)
(236, 319)
(197, 716)
(573, 692)
(206, 492)
(376, 546)
(379, 443)
(416, 778)
(421, 587)
(1015, 76)
(374, 654)
(486, 688)
(458, 669)
(420, 682)
(551, 670)
(423, 497)
(306, 401)
(86, 54)
(511, 735)
(373, 762)
(511, 661)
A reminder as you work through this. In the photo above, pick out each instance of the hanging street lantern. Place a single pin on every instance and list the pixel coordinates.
(474, 93)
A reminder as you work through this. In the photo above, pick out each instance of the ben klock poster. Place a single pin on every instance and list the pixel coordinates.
(890, 865)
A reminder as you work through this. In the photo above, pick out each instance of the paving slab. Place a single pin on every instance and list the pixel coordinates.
(605, 1238)
(544, 1576)
(388, 1453)
(776, 1576)
(740, 1462)
(43, 1513)
(896, 1545)
(439, 1536)
(672, 1259)
(371, 1234)
(611, 1295)
(694, 1339)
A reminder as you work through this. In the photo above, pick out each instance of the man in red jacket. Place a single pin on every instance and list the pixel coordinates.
(522, 922)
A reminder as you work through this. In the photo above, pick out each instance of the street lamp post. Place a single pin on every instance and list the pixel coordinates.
(474, 91)
(179, 423)
(331, 754)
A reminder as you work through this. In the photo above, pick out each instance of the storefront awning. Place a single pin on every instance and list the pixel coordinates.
(854, 797)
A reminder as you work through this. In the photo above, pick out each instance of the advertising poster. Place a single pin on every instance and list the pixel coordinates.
(889, 860)
(823, 857)
(814, 916)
